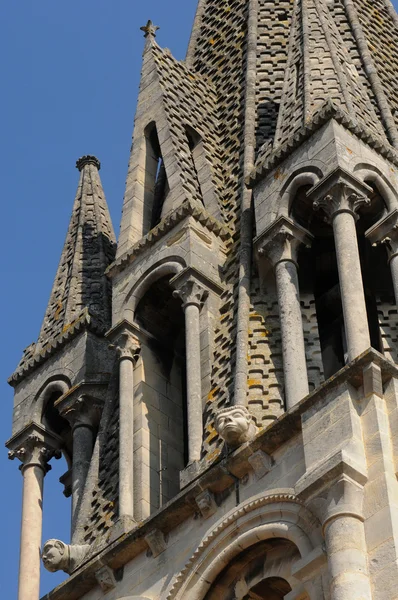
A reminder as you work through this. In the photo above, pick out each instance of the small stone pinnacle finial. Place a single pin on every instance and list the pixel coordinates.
(88, 160)
(150, 29)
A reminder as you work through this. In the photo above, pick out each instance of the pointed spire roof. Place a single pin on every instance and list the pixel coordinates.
(321, 69)
(80, 286)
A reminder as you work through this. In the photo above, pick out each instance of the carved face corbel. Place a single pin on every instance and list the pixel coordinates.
(235, 425)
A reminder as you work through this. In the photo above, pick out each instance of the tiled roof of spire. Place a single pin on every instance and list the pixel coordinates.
(81, 291)
(89, 249)
(321, 67)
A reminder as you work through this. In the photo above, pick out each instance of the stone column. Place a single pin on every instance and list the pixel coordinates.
(34, 454)
(279, 245)
(127, 346)
(192, 294)
(386, 232)
(340, 203)
(345, 542)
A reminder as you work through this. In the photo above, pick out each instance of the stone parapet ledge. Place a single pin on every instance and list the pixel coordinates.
(216, 478)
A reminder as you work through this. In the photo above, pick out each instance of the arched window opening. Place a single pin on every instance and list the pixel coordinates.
(199, 162)
(156, 183)
(53, 421)
(376, 274)
(57, 502)
(318, 275)
(162, 396)
(261, 572)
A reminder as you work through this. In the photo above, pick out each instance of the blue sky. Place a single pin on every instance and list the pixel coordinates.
(70, 75)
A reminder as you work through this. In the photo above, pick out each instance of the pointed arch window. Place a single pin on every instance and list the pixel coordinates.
(156, 183)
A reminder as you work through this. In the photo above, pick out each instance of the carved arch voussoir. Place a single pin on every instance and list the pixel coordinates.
(280, 514)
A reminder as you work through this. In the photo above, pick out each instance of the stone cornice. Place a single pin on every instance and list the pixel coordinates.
(187, 209)
(85, 322)
(274, 157)
(216, 478)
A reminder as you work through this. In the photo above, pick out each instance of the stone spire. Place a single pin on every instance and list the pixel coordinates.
(321, 68)
(80, 286)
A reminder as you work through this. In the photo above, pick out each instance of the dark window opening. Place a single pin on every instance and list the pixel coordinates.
(272, 588)
(199, 161)
(156, 184)
(253, 572)
(52, 420)
(319, 273)
(161, 315)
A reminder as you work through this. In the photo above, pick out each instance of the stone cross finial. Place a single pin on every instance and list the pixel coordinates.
(149, 29)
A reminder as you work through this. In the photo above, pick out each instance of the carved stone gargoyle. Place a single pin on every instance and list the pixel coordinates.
(58, 556)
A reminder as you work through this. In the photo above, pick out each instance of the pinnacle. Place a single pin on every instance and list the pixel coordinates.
(80, 284)
(88, 160)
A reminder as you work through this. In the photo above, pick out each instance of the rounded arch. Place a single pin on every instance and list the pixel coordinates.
(56, 384)
(277, 515)
(305, 176)
(265, 569)
(170, 266)
(369, 173)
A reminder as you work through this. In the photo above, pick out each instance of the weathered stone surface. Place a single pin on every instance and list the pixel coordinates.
(207, 455)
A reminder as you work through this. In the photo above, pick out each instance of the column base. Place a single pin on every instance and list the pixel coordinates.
(122, 526)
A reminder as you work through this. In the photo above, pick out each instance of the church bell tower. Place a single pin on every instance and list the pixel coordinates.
(223, 381)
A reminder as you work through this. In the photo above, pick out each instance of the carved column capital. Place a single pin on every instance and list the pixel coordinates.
(127, 346)
(191, 293)
(34, 452)
(385, 232)
(83, 413)
(342, 199)
(281, 241)
(339, 192)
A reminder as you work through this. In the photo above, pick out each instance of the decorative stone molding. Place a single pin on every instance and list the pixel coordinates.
(385, 232)
(36, 356)
(281, 241)
(339, 192)
(206, 504)
(88, 160)
(252, 514)
(105, 578)
(81, 409)
(235, 425)
(187, 209)
(261, 463)
(127, 347)
(58, 556)
(156, 542)
(191, 292)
